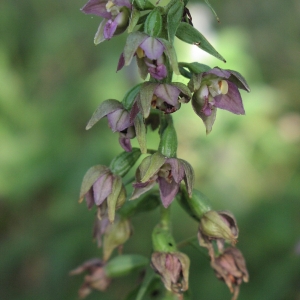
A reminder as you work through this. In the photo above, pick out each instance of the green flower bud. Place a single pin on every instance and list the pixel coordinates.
(168, 143)
(153, 23)
(115, 235)
(218, 225)
(124, 264)
(196, 205)
(122, 163)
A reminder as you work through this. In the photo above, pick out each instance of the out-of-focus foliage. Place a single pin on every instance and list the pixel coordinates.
(52, 78)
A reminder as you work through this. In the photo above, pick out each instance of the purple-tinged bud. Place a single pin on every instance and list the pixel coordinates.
(231, 267)
(173, 269)
(96, 278)
(220, 226)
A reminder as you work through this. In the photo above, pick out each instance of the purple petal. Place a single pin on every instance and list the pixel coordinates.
(168, 93)
(97, 7)
(177, 169)
(89, 197)
(121, 62)
(168, 191)
(232, 101)
(134, 111)
(121, 3)
(159, 72)
(219, 72)
(102, 188)
(152, 47)
(109, 29)
(119, 120)
(125, 143)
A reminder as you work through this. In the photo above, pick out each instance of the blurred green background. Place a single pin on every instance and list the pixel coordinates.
(52, 78)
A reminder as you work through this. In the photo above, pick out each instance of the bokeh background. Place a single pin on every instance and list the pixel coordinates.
(52, 78)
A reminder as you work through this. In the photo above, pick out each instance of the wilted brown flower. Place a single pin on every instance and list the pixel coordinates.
(231, 267)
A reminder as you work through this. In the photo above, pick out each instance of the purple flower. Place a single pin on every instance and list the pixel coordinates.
(167, 172)
(116, 15)
(104, 189)
(119, 120)
(165, 97)
(218, 89)
(150, 53)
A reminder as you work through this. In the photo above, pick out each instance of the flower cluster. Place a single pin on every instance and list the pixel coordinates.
(159, 176)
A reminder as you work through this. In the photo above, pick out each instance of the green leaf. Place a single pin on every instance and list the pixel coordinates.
(130, 96)
(140, 4)
(105, 108)
(122, 163)
(134, 18)
(191, 35)
(140, 131)
(195, 67)
(147, 282)
(213, 11)
(173, 19)
(153, 23)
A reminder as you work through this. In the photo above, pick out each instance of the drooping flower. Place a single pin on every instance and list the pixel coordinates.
(119, 120)
(230, 266)
(150, 53)
(217, 88)
(167, 172)
(96, 278)
(104, 189)
(165, 97)
(116, 15)
(173, 269)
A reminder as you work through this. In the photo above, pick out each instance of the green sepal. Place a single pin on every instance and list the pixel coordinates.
(105, 108)
(90, 178)
(140, 4)
(133, 41)
(196, 206)
(195, 67)
(191, 35)
(146, 202)
(168, 141)
(130, 96)
(150, 165)
(140, 131)
(174, 17)
(162, 239)
(99, 36)
(189, 178)
(134, 19)
(115, 235)
(124, 264)
(116, 198)
(170, 52)
(185, 90)
(145, 97)
(122, 163)
(238, 80)
(153, 23)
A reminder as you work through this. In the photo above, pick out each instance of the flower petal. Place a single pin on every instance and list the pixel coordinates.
(152, 47)
(119, 120)
(96, 7)
(231, 101)
(109, 29)
(102, 188)
(168, 191)
(177, 169)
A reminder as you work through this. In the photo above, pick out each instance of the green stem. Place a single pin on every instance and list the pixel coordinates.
(165, 217)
